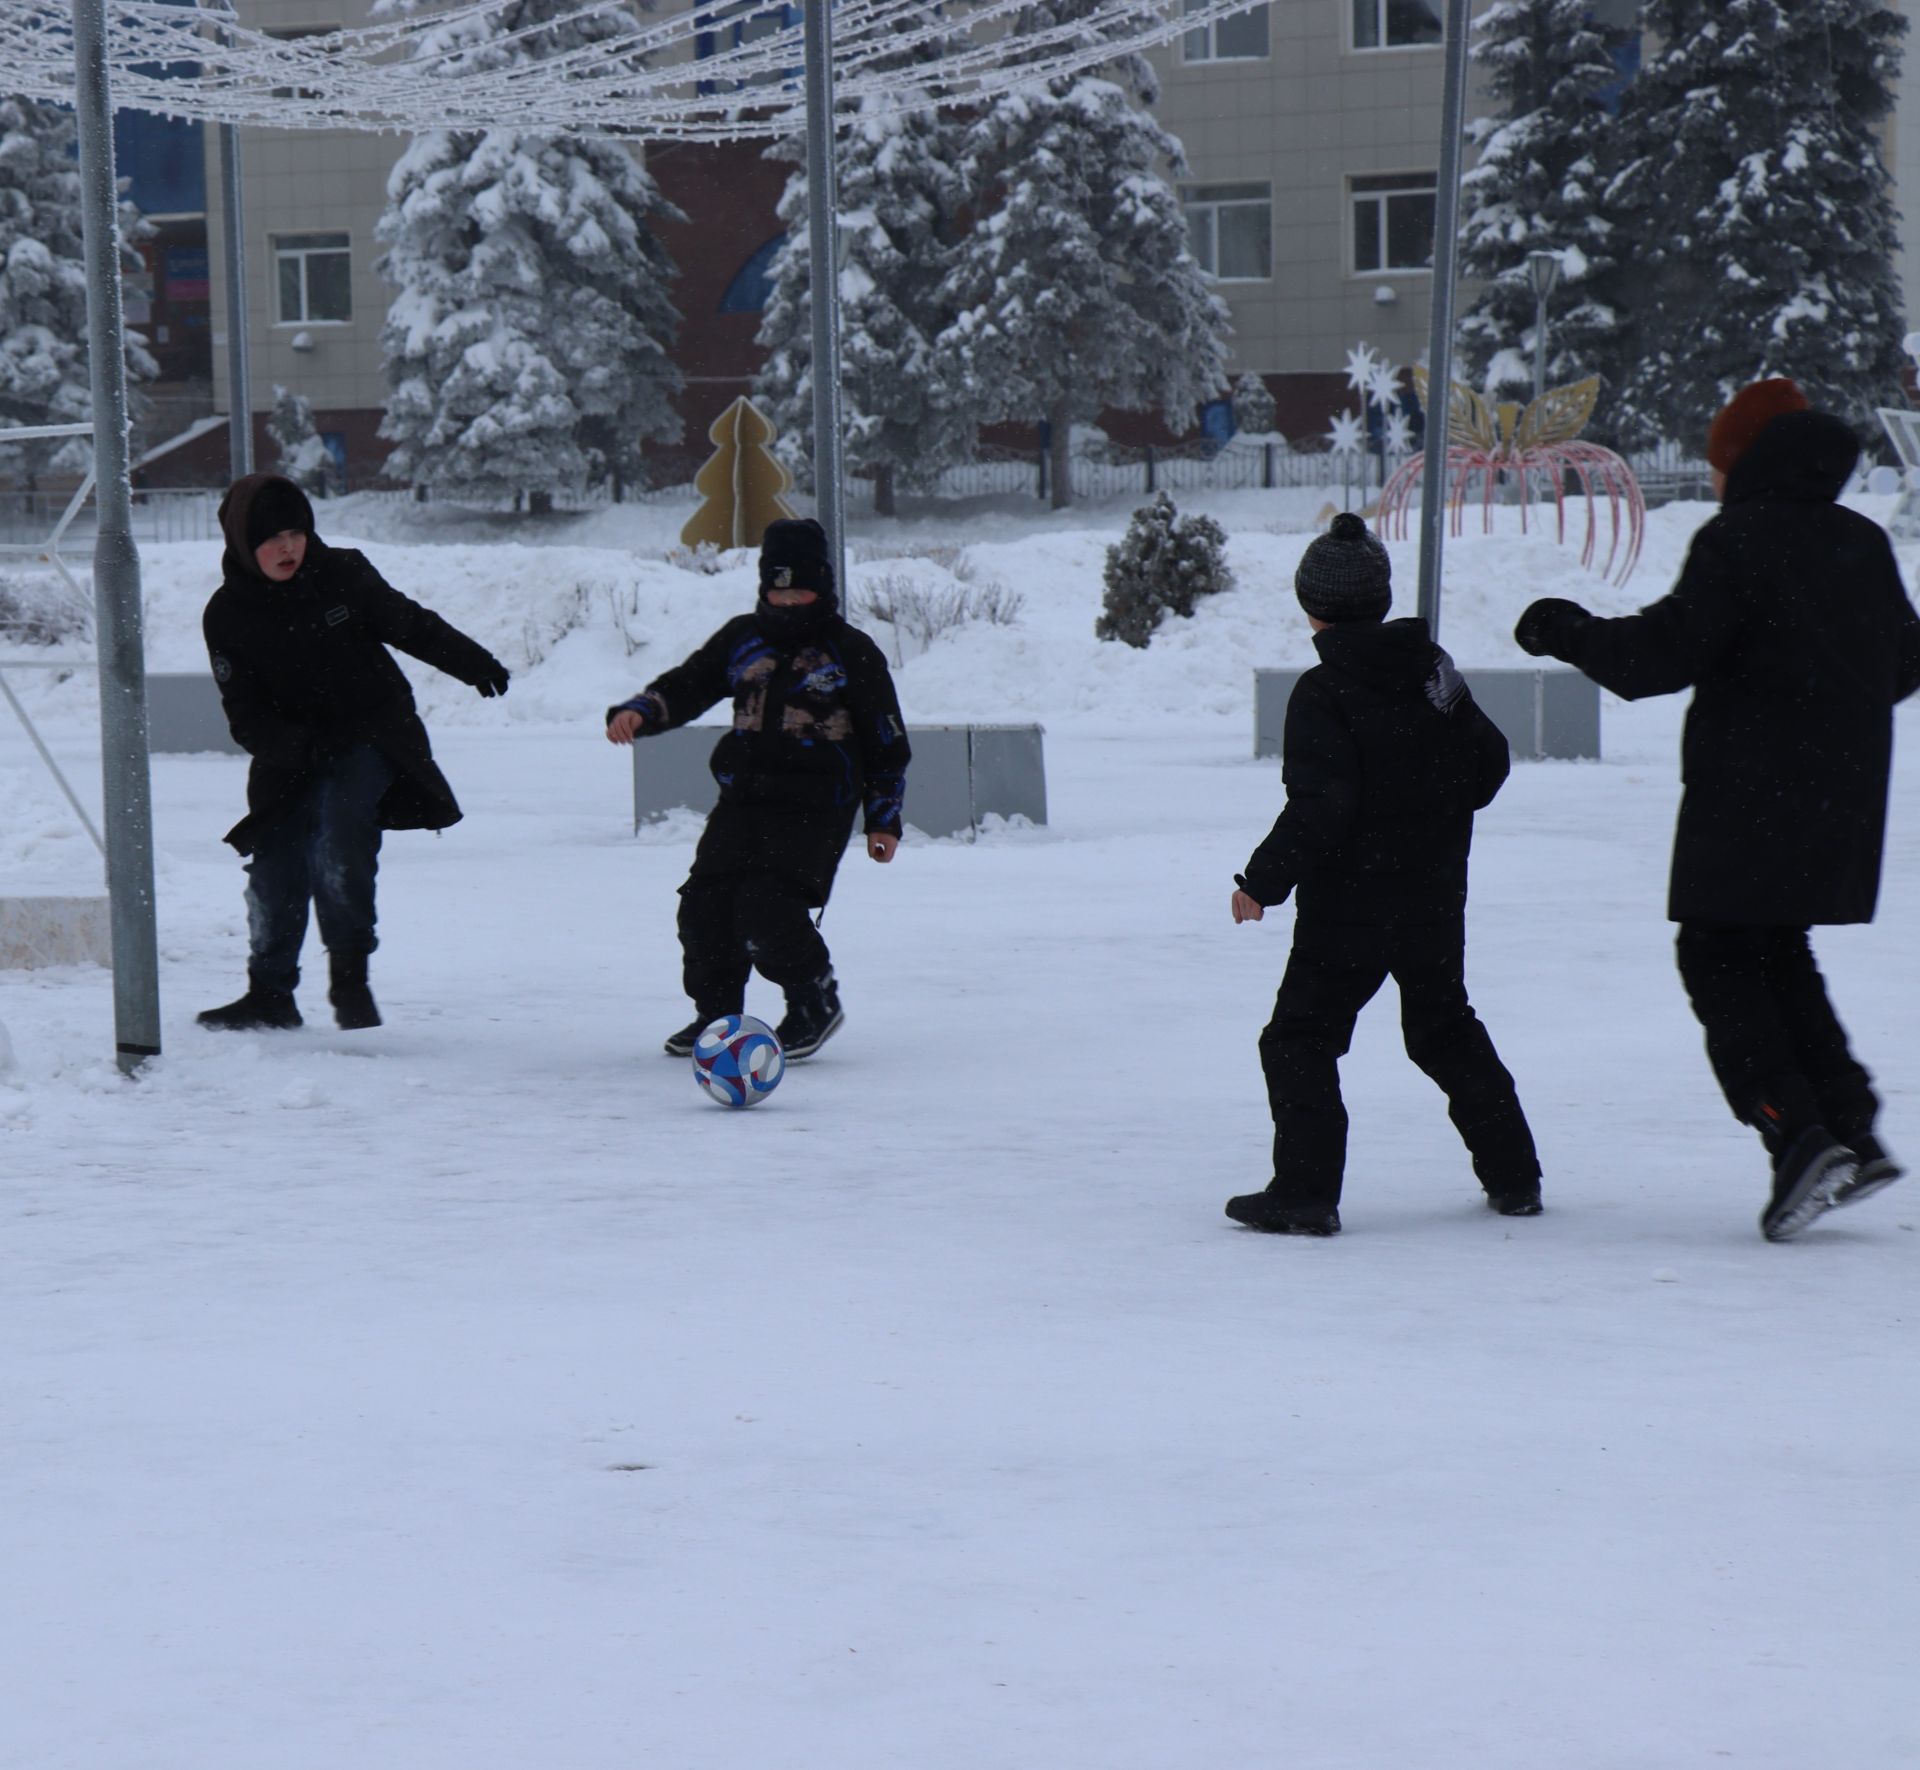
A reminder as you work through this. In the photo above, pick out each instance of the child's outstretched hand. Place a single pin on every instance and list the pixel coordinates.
(624, 727)
(881, 846)
(1247, 909)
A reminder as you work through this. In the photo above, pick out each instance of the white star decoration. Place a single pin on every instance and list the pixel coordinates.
(1347, 434)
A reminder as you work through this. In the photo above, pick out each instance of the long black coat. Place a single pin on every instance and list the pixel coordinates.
(1791, 626)
(1387, 758)
(305, 675)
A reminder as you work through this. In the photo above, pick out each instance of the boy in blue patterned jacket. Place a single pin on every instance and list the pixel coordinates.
(816, 735)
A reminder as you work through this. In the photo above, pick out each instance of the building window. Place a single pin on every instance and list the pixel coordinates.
(313, 279)
(1242, 37)
(1230, 228)
(1395, 24)
(1393, 221)
(732, 27)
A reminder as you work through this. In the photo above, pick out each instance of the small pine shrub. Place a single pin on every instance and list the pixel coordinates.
(1254, 413)
(1164, 564)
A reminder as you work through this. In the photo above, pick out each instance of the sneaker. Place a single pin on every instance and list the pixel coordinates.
(259, 1010)
(1878, 1171)
(813, 1016)
(1516, 1201)
(1806, 1178)
(1266, 1211)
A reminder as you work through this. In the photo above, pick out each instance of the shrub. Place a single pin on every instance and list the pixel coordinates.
(922, 612)
(1164, 563)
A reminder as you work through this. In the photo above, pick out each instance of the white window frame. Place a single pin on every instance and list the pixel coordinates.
(280, 253)
(1201, 44)
(1192, 203)
(1383, 47)
(1411, 187)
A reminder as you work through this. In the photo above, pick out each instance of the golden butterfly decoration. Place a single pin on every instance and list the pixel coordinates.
(1557, 416)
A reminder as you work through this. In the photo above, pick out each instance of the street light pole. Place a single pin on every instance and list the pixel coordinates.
(823, 287)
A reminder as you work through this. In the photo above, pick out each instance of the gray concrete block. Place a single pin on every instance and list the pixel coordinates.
(184, 715)
(1546, 715)
(959, 775)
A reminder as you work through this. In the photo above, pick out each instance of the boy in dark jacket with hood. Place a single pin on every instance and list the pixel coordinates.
(298, 633)
(816, 737)
(1792, 628)
(1387, 758)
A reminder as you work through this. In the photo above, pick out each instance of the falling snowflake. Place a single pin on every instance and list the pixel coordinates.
(1360, 366)
(1383, 386)
(1399, 434)
(1347, 435)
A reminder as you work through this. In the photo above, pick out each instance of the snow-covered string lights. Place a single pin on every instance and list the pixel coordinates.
(669, 78)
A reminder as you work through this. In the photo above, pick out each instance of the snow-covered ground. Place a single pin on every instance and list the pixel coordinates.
(473, 1395)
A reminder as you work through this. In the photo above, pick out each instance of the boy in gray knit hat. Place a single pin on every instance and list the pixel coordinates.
(1387, 758)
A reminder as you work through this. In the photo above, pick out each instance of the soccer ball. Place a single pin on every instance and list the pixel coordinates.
(738, 1061)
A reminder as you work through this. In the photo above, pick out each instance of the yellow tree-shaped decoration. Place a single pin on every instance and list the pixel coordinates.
(743, 483)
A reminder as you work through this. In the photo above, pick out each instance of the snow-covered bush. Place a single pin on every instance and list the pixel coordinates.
(37, 608)
(303, 457)
(921, 612)
(1163, 565)
(1254, 413)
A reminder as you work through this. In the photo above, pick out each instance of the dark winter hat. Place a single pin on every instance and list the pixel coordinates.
(793, 556)
(276, 506)
(1345, 574)
(1739, 423)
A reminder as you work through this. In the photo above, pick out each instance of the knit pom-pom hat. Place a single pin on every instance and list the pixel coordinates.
(1739, 423)
(1345, 574)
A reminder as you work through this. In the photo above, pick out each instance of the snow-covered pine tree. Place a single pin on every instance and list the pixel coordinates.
(1254, 413)
(528, 346)
(1542, 171)
(1162, 565)
(1760, 210)
(897, 192)
(302, 456)
(43, 291)
(1076, 290)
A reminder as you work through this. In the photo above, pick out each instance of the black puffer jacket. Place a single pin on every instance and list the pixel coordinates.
(1387, 759)
(1791, 626)
(816, 719)
(305, 675)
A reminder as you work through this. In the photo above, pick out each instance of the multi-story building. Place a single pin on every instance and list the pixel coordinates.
(1311, 129)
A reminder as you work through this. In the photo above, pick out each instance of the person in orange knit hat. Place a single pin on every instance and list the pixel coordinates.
(1791, 626)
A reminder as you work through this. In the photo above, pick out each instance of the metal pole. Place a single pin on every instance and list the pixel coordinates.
(1446, 254)
(239, 382)
(824, 286)
(116, 568)
(1540, 345)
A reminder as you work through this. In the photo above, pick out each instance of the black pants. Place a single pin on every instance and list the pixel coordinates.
(1777, 1049)
(1334, 971)
(325, 852)
(758, 876)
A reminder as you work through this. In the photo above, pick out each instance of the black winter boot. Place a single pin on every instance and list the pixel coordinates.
(1268, 1212)
(1516, 1201)
(813, 1017)
(1808, 1175)
(259, 1010)
(353, 1004)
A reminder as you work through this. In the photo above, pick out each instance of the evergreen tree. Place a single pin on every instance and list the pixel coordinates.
(528, 346)
(1760, 209)
(302, 456)
(1254, 413)
(44, 377)
(896, 192)
(1075, 290)
(1537, 186)
(1162, 565)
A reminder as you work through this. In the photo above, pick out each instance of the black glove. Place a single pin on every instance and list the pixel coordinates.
(1547, 627)
(495, 681)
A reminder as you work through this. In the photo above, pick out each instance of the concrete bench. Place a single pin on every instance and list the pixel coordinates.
(960, 775)
(184, 715)
(1547, 715)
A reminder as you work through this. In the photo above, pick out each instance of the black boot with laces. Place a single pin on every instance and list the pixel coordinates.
(814, 1015)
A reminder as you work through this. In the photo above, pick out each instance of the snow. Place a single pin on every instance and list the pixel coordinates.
(472, 1394)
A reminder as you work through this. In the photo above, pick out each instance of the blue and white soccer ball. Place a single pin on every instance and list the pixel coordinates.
(738, 1060)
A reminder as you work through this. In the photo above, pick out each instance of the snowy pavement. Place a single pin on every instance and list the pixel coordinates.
(472, 1395)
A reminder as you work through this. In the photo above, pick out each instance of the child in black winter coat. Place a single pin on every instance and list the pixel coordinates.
(1387, 758)
(816, 737)
(298, 634)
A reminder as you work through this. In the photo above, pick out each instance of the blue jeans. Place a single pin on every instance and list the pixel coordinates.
(325, 852)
